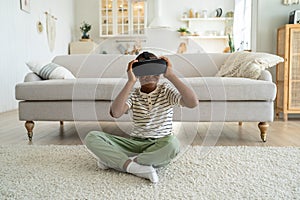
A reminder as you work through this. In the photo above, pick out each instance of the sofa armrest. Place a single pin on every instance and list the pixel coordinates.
(265, 76)
(30, 77)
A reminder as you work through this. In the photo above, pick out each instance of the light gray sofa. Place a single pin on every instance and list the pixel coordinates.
(100, 77)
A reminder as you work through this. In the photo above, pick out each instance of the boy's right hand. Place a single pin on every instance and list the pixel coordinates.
(130, 74)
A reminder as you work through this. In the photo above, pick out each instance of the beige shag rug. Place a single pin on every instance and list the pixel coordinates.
(70, 172)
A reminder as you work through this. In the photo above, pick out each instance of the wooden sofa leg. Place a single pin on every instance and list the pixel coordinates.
(29, 125)
(240, 123)
(263, 127)
(61, 123)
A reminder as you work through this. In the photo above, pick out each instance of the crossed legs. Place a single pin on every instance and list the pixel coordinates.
(115, 151)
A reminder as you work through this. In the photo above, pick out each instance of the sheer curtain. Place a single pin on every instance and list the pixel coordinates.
(242, 25)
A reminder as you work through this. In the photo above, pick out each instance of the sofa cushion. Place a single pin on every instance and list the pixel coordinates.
(72, 89)
(206, 88)
(49, 70)
(247, 64)
(115, 65)
(232, 89)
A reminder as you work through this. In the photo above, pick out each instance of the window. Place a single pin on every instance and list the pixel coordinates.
(242, 25)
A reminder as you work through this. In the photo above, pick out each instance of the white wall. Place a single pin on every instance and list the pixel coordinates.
(171, 11)
(20, 41)
(88, 10)
(272, 14)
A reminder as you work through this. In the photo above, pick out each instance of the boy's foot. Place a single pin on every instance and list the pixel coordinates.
(143, 171)
(101, 165)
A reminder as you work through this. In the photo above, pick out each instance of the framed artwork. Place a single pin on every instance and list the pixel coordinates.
(25, 5)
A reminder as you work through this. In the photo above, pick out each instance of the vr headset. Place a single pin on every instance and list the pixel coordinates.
(149, 66)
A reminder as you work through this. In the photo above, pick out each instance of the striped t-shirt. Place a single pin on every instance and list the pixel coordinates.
(153, 113)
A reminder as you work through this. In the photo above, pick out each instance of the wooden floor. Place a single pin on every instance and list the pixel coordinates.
(12, 131)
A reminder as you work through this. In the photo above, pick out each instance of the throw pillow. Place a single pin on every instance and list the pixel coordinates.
(247, 64)
(50, 70)
(252, 70)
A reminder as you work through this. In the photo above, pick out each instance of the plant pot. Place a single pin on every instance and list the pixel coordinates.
(85, 36)
(182, 33)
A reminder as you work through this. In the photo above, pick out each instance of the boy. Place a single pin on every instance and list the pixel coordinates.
(151, 143)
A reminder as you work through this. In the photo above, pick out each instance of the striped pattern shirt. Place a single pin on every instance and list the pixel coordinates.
(153, 112)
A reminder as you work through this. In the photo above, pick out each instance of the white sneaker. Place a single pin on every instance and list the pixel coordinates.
(101, 165)
(143, 171)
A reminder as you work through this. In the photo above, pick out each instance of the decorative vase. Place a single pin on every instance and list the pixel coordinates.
(85, 35)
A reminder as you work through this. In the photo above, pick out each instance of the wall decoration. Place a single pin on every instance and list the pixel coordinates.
(39, 27)
(288, 2)
(219, 12)
(25, 5)
(51, 30)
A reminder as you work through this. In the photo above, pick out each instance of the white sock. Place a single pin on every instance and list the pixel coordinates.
(101, 165)
(143, 171)
(132, 158)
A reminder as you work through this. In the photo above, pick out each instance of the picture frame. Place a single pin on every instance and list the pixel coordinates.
(25, 5)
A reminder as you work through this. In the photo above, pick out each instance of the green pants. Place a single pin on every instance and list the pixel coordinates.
(114, 151)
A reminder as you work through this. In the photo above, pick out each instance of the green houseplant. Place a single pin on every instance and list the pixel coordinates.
(183, 31)
(85, 28)
(231, 44)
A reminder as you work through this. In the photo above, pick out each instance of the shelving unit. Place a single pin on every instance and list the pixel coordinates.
(122, 18)
(288, 72)
(203, 37)
(216, 24)
(210, 33)
(106, 18)
(189, 20)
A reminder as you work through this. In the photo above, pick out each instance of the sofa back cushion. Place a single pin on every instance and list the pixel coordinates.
(115, 65)
(91, 89)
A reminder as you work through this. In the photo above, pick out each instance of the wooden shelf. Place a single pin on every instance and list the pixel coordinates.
(204, 37)
(207, 19)
(128, 36)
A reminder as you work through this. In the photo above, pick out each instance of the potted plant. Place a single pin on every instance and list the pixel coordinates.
(231, 44)
(85, 28)
(183, 31)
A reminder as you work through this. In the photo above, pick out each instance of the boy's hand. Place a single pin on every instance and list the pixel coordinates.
(169, 71)
(130, 74)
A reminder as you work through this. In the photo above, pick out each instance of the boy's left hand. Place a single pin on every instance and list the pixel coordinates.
(169, 71)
